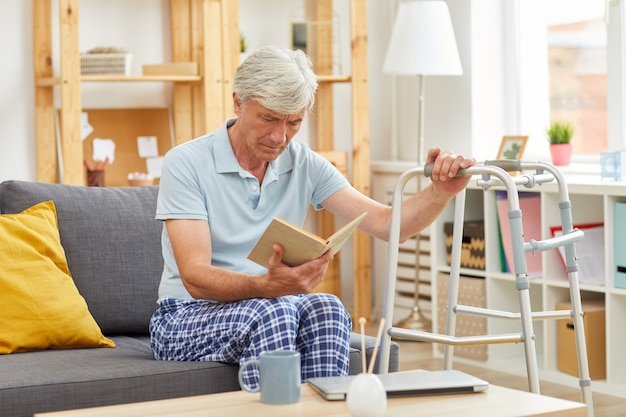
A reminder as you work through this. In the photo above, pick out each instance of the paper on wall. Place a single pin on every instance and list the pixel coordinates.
(103, 149)
(153, 165)
(85, 128)
(147, 146)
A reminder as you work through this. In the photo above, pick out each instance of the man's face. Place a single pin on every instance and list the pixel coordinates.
(266, 133)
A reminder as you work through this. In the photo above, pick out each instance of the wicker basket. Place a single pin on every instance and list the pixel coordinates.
(105, 64)
(473, 244)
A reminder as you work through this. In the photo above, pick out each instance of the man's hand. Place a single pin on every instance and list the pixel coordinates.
(446, 164)
(283, 279)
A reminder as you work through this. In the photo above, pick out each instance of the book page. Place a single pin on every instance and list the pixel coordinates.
(341, 236)
(299, 245)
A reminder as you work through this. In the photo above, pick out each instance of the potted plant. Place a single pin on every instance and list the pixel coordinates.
(559, 135)
(243, 48)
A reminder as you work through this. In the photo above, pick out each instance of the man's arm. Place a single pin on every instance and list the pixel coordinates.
(191, 243)
(417, 212)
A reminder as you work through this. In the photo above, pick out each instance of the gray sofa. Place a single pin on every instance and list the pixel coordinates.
(112, 244)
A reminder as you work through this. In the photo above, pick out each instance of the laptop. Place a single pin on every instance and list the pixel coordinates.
(406, 383)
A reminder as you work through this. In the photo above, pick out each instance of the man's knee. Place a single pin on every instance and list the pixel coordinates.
(272, 308)
(316, 300)
(325, 306)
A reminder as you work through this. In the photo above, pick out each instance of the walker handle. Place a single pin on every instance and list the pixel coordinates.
(509, 165)
(428, 171)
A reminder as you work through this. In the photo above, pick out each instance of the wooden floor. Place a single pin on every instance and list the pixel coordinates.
(417, 355)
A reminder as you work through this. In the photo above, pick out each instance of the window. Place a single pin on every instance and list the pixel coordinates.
(580, 75)
(577, 65)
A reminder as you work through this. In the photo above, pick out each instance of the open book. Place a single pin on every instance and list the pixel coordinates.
(300, 245)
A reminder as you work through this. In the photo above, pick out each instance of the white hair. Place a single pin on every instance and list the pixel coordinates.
(279, 79)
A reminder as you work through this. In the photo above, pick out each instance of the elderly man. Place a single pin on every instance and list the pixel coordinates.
(217, 195)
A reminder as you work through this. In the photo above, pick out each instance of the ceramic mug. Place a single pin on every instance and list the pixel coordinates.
(279, 381)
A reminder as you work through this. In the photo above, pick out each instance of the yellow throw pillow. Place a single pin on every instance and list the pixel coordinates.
(40, 306)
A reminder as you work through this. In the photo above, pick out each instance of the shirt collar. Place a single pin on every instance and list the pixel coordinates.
(226, 161)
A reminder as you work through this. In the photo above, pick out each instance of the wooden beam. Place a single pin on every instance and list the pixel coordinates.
(180, 17)
(318, 16)
(230, 55)
(326, 223)
(212, 64)
(45, 132)
(182, 109)
(70, 118)
(198, 47)
(360, 153)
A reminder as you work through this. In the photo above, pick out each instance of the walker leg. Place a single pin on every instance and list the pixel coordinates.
(522, 283)
(571, 263)
(455, 264)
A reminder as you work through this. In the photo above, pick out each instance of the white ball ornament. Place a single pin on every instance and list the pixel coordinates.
(366, 396)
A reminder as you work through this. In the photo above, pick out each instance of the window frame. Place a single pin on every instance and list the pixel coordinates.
(616, 79)
(528, 97)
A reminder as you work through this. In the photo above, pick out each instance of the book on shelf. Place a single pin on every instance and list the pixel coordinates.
(299, 244)
(530, 205)
(589, 252)
(619, 243)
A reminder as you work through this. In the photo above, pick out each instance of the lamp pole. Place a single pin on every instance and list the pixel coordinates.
(416, 319)
(422, 43)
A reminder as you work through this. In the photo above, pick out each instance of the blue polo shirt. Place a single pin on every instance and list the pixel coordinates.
(202, 179)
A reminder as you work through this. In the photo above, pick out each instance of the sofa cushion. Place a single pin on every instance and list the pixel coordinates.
(118, 273)
(40, 306)
(45, 381)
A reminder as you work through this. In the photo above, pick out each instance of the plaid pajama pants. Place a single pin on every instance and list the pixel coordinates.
(317, 325)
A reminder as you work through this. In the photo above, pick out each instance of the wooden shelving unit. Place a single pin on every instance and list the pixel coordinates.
(205, 32)
(47, 82)
(200, 103)
(320, 51)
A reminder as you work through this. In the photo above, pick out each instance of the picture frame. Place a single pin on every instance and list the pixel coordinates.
(299, 35)
(512, 147)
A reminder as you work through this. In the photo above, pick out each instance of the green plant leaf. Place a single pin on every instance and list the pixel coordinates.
(560, 132)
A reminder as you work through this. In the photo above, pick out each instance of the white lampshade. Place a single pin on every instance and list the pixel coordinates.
(422, 41)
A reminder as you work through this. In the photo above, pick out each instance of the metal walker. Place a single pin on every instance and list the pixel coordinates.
(495, 173)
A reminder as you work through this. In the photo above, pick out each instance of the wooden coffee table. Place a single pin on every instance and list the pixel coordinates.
(496, 402)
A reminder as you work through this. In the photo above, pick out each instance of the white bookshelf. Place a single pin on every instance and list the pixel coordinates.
(592, 201)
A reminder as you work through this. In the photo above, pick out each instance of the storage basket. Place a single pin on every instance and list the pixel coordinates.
(473, 246)
(472, 292)
(105, 64)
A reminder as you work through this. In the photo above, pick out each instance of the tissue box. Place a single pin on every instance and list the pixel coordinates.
(105, 64)
(613, 165)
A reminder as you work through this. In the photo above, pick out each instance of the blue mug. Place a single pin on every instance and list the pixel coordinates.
(279, 381)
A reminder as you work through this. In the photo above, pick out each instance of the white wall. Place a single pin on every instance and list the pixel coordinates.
(17, 131)
(453, 103)
(110, 23)
(459, 110)
(468, 113)
(140, 27)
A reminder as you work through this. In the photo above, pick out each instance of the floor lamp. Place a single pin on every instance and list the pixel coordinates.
(422, 43)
